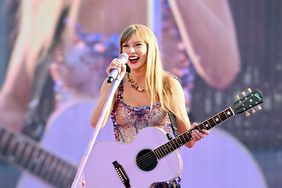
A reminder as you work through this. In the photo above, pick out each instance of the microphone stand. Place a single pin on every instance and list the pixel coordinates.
(85, 157)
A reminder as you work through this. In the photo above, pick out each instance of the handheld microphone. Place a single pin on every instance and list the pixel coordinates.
(123, 58)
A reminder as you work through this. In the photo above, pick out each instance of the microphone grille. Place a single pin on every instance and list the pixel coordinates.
(123, 57)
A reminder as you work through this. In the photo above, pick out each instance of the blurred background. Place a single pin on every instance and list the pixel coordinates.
(52, 63)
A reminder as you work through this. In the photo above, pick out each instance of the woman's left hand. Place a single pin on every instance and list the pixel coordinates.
(198, 134)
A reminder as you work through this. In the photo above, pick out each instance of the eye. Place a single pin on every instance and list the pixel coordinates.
(124, 45)
(139, 44)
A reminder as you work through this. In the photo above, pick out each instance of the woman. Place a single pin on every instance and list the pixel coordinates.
(145, 79)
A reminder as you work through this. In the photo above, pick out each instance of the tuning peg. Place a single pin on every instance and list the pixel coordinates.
(249, 90)
(244, 93)
(258, 107)
(238, 97)
(253, 110)
(247, 113)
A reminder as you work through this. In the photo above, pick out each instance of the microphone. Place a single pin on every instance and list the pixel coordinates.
(123, 58)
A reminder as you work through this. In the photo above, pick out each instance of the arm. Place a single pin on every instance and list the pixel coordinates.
(98, 109)
(210, 35)
(115, 64)
(183, 122)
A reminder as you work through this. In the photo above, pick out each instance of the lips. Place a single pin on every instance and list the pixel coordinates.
(133, 59)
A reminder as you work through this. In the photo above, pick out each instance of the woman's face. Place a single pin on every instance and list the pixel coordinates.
(137, 52)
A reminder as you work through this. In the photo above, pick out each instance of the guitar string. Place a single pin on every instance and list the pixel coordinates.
(152, 155)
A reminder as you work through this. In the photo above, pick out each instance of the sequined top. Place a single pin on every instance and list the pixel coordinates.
(129, 120)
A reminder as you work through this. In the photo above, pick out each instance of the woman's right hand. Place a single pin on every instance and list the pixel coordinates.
(116, 64)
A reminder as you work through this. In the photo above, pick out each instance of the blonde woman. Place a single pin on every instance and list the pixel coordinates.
(160, 92)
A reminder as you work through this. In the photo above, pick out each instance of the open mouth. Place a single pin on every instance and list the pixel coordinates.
(133, 59)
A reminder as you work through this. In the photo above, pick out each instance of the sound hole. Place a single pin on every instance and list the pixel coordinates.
(146, 160)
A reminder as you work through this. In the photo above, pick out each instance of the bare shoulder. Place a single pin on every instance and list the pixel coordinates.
(173, 82)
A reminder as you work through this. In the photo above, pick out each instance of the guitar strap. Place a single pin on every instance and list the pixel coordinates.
(172, 119)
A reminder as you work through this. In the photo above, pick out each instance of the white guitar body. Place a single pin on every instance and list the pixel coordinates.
(100, 172)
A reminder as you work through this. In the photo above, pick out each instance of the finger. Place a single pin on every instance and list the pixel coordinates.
(123, 67)
(195, 136)
(195, 124)
(206, 132)
(199, 134)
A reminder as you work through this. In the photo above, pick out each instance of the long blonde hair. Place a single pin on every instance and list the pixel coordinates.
(157, 80)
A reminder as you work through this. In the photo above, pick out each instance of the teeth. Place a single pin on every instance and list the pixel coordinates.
(133, 58)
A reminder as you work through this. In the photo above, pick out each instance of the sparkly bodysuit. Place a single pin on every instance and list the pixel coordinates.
(129, 120)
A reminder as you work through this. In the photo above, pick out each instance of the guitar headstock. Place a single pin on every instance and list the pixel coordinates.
(248, 102)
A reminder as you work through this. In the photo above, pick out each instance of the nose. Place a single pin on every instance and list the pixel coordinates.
(132, 50)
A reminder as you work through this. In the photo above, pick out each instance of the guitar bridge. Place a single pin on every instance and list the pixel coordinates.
(122, 174)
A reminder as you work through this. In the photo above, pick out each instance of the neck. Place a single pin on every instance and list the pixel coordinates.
(138, 77)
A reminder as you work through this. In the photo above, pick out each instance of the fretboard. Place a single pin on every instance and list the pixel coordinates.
(26, 154)
(182, 139)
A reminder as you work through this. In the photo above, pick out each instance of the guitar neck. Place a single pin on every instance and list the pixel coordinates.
(26, 154)
(182, 139)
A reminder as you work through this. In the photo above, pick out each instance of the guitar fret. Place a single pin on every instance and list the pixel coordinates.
(31, 161)
(166, 149)
(45, 164)
(170, 146)
(178, 144)
(37, 158)
(206, 125)
(228, 112)
(19, 151)
(46, 170)
(156, 151)
(217, 119)
(67, 175)
(7, 140)
(61, 180)
(71, 177)
(187, 136)
(54, 175)
(174, 145)
(26, 155)
(211, 122)
(41, 162)
(161, 152)
(59, 173)
(222, 116)
(11, 148)
(201, 126)
(4, 142)
(183, 139)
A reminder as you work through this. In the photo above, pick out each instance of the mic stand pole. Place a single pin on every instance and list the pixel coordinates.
(85, 157)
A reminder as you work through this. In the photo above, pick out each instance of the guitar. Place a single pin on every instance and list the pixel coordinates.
(151, 157)
(26, 154)
(52, 162)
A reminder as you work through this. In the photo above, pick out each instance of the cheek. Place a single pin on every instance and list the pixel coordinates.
(124, 50)
(143, 52)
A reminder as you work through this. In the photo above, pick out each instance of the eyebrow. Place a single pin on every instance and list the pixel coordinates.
(126, 42)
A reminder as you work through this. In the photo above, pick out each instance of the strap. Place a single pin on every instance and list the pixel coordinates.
(172, 119)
